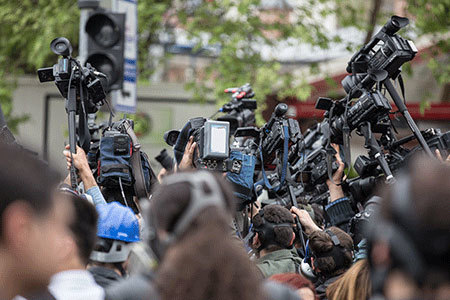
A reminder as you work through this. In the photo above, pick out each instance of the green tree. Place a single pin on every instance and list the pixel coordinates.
(238, 27)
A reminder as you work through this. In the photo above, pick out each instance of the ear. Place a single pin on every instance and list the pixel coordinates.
(292, 239)
(313, 266)
(68, 248)
(17, 226)
(255, 242)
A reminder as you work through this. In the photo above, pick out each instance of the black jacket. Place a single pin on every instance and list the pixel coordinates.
(104, 276)
(322, 285)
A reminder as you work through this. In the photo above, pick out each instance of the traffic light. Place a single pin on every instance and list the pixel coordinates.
(105, 33)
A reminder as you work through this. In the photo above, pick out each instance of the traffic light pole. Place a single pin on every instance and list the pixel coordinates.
(85, 7)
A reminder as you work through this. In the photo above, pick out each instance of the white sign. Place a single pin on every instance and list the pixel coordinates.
(125, 100)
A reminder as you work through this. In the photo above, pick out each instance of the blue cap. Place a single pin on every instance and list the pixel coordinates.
(117, 222)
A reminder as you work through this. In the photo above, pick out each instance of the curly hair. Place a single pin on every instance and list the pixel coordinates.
(282, 235)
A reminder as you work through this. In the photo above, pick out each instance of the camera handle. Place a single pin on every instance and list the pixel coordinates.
(404, 111)
(375, 150)
(71, 110)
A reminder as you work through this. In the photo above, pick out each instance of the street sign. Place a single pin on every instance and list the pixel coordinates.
(125, 100)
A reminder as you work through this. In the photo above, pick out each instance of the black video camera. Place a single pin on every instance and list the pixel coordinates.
(278, 132)
(371, 107)
(386, 51)
(240, 111)
(68, 72)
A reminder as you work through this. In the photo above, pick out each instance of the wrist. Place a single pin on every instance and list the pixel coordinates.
(336, 192)
(311, 228)
(87, 178)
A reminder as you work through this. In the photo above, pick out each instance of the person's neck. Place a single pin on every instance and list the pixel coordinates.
(72, 263)
(10, 286)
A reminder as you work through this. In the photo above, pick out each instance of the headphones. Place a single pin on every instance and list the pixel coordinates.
(337, 253)
(266, 230)
(199, 201)
(305, 266)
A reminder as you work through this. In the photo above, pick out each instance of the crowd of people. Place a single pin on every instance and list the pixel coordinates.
(60, 243)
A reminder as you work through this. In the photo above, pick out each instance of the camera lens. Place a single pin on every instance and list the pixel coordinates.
(60, 47)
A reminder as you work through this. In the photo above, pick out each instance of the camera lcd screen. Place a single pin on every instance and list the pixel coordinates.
(216, 139)
(219, 139)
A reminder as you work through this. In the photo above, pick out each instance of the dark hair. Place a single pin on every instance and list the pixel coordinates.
(321, 243)
(206, 262)
(282, 235)
(295, 281)
(318, 214)
(84, 226)
(23, 177)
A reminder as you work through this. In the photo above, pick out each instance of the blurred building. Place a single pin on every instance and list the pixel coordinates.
(165, 104)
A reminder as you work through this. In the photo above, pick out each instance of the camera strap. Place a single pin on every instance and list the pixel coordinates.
(139, 186)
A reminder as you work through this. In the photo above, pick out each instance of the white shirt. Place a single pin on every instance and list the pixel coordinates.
(75, 285)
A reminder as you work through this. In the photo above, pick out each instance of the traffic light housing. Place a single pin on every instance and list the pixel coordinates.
(105, 51)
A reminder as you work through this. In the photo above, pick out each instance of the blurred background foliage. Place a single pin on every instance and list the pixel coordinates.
(28, 26)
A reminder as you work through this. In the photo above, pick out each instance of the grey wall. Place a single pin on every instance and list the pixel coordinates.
(167, 105)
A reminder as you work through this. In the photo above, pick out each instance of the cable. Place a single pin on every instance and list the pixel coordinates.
(122, 192)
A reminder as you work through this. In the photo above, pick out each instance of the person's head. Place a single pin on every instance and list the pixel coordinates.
(173, 207)
(305, 289)
(354, 284)
(191, 214)
(33, 219)
(117, 230)
(409, 240)
(331, 251)
(80, 240)
(273, 228)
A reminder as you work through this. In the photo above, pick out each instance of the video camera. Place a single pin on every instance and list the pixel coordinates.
(385, 51)
(280, 133)
(372, 107)
(82, 89)
(240, 111)
(68, 73)
(213, 140)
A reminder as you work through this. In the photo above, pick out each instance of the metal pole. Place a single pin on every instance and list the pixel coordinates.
(114, 94)
(85, 7)
(2, 118)
(402, 108)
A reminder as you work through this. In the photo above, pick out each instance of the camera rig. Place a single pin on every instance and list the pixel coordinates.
(81, 87)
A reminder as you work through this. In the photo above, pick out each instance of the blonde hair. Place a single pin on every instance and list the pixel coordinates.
(354, 284)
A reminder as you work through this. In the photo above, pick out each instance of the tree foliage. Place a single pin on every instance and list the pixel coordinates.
(239, 28)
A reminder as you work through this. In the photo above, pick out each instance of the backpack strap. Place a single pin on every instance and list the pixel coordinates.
(140, 187)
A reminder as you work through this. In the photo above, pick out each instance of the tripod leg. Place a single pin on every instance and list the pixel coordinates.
(402, 108)
(375, 150)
